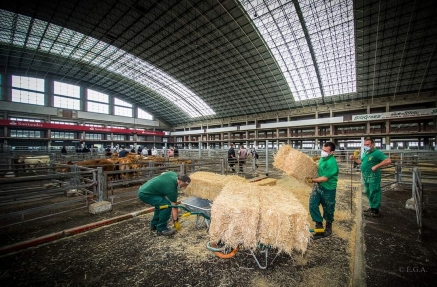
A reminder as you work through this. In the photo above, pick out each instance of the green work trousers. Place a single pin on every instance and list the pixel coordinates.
(160, 216)
(326, 198)
(372, 186)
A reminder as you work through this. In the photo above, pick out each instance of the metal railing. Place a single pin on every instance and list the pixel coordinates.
(417, 190)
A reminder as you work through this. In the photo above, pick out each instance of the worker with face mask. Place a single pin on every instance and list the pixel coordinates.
(371, 162)
(325, 189)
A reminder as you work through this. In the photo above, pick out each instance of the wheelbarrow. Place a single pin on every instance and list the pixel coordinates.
(202, 209)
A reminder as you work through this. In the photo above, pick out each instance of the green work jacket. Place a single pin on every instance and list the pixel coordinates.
(370, 159)
(165, 184)
(328, 168)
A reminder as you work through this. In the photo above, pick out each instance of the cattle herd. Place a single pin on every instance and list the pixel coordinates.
(128, 164)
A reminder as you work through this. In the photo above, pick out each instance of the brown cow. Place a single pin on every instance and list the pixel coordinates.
(106, 164)
(125, 164)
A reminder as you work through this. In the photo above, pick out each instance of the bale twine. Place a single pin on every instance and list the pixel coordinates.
(265, 182)
(246, 215)
(295, 163)
(208, 185)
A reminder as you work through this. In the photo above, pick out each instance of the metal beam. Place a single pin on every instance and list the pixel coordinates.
(310, 46)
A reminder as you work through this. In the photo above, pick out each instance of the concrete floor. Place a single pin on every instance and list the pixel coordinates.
(394, 253)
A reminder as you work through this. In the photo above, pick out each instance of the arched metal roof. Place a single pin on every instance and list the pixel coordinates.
(185, 61)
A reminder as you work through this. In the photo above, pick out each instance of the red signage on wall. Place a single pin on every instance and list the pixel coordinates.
(21, 124)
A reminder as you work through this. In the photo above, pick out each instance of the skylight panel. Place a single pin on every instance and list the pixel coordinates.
(103, 55)
(330, 26)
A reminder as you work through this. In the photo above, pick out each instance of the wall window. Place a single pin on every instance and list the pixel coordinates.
(63, 123)
(28, 90)
(93, 125)
(118, 137)
(25, 120)
(63, 135)
(143, 115)
(121, 111)
(97, 108)
(93, 136)
(122, 108)
(97, 102)
(66, 96)
(25, 134)
(115, 127)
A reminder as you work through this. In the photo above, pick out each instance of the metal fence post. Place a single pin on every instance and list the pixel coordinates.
(151, 166)
(74, 180)
(398, 173)
(183, 168)
(100, 184)
(193, 168)
(267, 158)
(222, 166)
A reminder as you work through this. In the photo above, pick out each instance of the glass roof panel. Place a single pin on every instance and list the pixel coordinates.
(72, 44)
(331, 30)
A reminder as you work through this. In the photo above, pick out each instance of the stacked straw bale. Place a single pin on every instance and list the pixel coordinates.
(235, 216)
(283, 221)
(265, 182)
(248, 215)
(208, 185)
(295, 163)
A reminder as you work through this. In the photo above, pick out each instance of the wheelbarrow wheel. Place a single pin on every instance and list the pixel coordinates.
(222, 251)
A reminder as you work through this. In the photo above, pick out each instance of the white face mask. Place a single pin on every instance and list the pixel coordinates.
(366, 148)
(324, 154)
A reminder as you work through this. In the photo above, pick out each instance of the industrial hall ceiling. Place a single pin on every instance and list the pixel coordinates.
(186, 61)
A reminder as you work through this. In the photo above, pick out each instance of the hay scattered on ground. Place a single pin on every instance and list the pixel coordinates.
(208, 185)
(295, 163)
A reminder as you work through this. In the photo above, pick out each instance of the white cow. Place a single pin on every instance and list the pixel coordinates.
(34, 161)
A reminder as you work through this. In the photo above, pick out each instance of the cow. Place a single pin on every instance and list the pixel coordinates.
(106, 164)
(34, 161)
(125, 164)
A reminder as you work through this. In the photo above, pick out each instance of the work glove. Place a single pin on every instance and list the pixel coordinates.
(309, 180)
(177, 225)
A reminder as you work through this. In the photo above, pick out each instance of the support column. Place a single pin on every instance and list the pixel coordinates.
(387, 143)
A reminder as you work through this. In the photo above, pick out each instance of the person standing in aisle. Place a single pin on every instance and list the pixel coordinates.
(324, 191)
(242, 156)
(371, 162)
(231, 157)
(123, 152)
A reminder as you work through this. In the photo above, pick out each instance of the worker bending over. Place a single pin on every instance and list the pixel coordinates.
(163, 190)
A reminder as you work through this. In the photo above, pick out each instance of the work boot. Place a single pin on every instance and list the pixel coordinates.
(368, 210)
(153, 228)
(319, 225)
(328, 229)
(166, 232)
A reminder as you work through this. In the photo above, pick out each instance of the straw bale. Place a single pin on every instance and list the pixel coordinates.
(266, 182)
(208, 185)
(235, 216)
(283, 220)
(295, 163)
(248, 214)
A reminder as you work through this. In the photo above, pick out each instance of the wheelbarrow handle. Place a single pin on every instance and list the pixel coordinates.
(184, 208)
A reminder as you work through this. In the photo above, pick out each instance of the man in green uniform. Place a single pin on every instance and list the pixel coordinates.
(371, 162)
(163, 190)
(325, 189)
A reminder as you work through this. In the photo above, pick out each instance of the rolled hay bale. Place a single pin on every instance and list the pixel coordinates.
(247, 215)
(208, 185)
(295, 163)
(266, 182)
